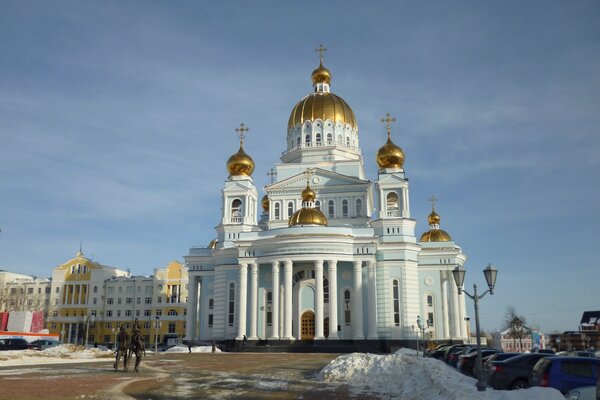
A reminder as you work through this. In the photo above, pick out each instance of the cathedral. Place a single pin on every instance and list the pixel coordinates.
(325, 254)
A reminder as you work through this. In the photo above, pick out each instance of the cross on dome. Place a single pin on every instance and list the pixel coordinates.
(242, 131)
(388, 123)
(321, 50)
(307, 174)
(272, 174)
(432, 200)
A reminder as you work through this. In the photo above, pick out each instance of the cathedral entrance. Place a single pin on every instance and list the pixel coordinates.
(308, 325)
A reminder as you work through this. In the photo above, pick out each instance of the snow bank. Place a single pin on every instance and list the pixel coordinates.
(56, 354)
(195, 349)
(405, 376)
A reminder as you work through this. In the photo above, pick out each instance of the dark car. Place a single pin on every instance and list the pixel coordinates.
(17, 344)
(452, 352)
(489, 360)
(438, 353)
(565, 373)
(466, 362)
(514, 372)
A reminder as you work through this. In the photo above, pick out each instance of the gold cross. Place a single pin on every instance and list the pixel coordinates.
(308, 173)
(271, 174)
(388, 123)
(321, 50)
(242, 131)
(432, 200)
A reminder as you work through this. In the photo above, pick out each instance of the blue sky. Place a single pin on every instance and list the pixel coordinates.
(116, 119)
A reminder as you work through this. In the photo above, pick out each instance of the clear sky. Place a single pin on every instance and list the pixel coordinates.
(116, 119)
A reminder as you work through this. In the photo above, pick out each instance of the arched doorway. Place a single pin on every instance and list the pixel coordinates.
(308, 325)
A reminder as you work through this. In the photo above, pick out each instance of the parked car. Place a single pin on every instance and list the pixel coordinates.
(582, 393)
(487, 362)
(565, 373)
(514, 372)
(438, 353)
(45, 343)
(451, 354)
(466, 362)
(17, 344)
(438, 349)
(577, 354)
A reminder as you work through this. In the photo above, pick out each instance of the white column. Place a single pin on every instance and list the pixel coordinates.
(372, 301)
(275, 305)
(357, 318)
(243, 300)
(253, 300)
(68, 332)
(333, 300)
(190, 327)
(287, 315)
(455, 328)
(319, 334)
(444, 284)
(76, 333)
(462, 315)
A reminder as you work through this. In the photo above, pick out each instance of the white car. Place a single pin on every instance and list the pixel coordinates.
(45, 343)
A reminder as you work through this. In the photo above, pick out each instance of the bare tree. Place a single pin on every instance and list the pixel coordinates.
(516, 325)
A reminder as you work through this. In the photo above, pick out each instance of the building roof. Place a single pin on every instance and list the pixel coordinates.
(590, 318)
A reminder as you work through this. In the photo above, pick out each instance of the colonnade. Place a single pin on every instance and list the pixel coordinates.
(453, 308)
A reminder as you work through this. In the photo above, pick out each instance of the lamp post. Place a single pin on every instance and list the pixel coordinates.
(490, 277)
(86, 321)
(62, 334)
(422, 329)
(558, 344)
(416, 331)
(156, 326)
(114, 331)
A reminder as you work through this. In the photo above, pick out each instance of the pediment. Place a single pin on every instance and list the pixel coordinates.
(320, 179)
(392, 179)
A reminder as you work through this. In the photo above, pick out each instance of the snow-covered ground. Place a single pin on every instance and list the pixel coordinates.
(63, 354)
(404, 376)
(195, 349)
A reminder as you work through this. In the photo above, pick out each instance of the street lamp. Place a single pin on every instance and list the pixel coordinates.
(422, 328)
(156, 326)
(86, 321)
(62, 334)
(558, 343)
(490, 277)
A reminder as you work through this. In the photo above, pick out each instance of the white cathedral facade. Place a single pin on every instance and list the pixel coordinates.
(331, 255)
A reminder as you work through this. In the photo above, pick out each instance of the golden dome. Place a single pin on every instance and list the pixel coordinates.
(433, 218)
(240, 163)
(308, 216)
(321, 75)
(435, 235)
(323, 106)
(213, 244)
(390, 155)
(265, 203)
(308, 194)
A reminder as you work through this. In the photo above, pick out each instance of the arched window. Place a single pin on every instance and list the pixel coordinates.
(344, 208)
(290, 209)
(269, 316)
(211, 306)
(236, 210)
(318, 204)
(231, 303)
(95, 289)
(329, 138)
(331, 209)
(318, 137)
(348, 141)
(276, 211)
(307, 140)
(172, 313)
(396, 302)
(392, 201)
(429, 300)
(298, 141)
(358, 207)
(347, 307)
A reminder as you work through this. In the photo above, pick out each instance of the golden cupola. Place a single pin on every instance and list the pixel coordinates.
(308, 214)
(240, 164)
(389, 155)
(322, 104)
(435, 234)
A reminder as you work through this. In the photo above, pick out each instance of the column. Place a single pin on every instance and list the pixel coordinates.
(444, 284)
(333, 300)
(76, 333)
(462, 315)
(275, 305)
(455, 327)
(253, 300)
(242, 303)
(287, 291)
(372, 300)
(68, 332)
(190, 325)
(357, 318)
(319, 334)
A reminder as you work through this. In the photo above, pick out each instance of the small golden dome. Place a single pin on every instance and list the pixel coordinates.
(213, 244)
(308, 216)
(240, 163)
(308, 194)
(265, 203)
(433, 218)
(435, 235)
(390, 155)
(321, 75)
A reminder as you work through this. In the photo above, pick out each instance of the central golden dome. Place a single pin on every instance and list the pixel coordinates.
(322, 104)
(240, 163)
(390, 155)
(308, 215)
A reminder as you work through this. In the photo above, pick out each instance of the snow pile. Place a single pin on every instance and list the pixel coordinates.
(195, 349)
(401, 375)
(52, 355)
